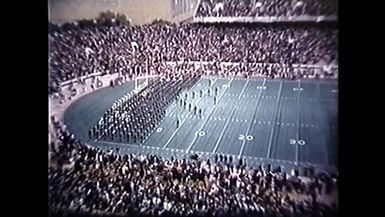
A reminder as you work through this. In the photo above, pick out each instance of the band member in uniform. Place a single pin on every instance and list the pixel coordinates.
(193, 95)
(215, 100)
(201, 93)
(128, 137)
(195, 110)
(209, 82)
(121, 135)
(177, 122)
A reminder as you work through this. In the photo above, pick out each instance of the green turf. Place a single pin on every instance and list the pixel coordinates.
(247, 120)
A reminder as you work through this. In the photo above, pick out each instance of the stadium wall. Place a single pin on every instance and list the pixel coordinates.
(139, 11)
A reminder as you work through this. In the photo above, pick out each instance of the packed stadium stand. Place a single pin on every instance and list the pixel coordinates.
(92, 55)
(266, 8)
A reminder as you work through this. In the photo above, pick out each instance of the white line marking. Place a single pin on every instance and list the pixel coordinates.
(275, 119)
(205, 122)
(172, 136)
(227, 122)
(298, 122)
(323, 111)
(254, 113)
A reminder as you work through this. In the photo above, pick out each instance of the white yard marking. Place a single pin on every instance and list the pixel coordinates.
(210, 113)
(325, 129)
(228, 120)
(275, 119)
(249, 137)
(298, 121)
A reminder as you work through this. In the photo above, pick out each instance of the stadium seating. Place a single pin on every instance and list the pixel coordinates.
(266, 8)
(88, 180)
(80, 51)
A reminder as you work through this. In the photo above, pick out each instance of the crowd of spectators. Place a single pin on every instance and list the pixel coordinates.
(81, 49)
(88, 180)
(266, 8)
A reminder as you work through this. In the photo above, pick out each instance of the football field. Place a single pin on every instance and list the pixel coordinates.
(279, 122)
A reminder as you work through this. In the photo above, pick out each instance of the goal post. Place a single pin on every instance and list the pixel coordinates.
(142, 81)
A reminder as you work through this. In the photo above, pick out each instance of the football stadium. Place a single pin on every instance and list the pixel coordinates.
(193, 108)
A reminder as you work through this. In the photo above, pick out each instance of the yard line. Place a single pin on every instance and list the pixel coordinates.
(207, 119)
(275, 120)
(298, 122)
(181, 124)
(324, 115)
(229, 118)
(252, 118)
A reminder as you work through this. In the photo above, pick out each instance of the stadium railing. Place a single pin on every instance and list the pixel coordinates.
(75, 80)
(198, 63)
